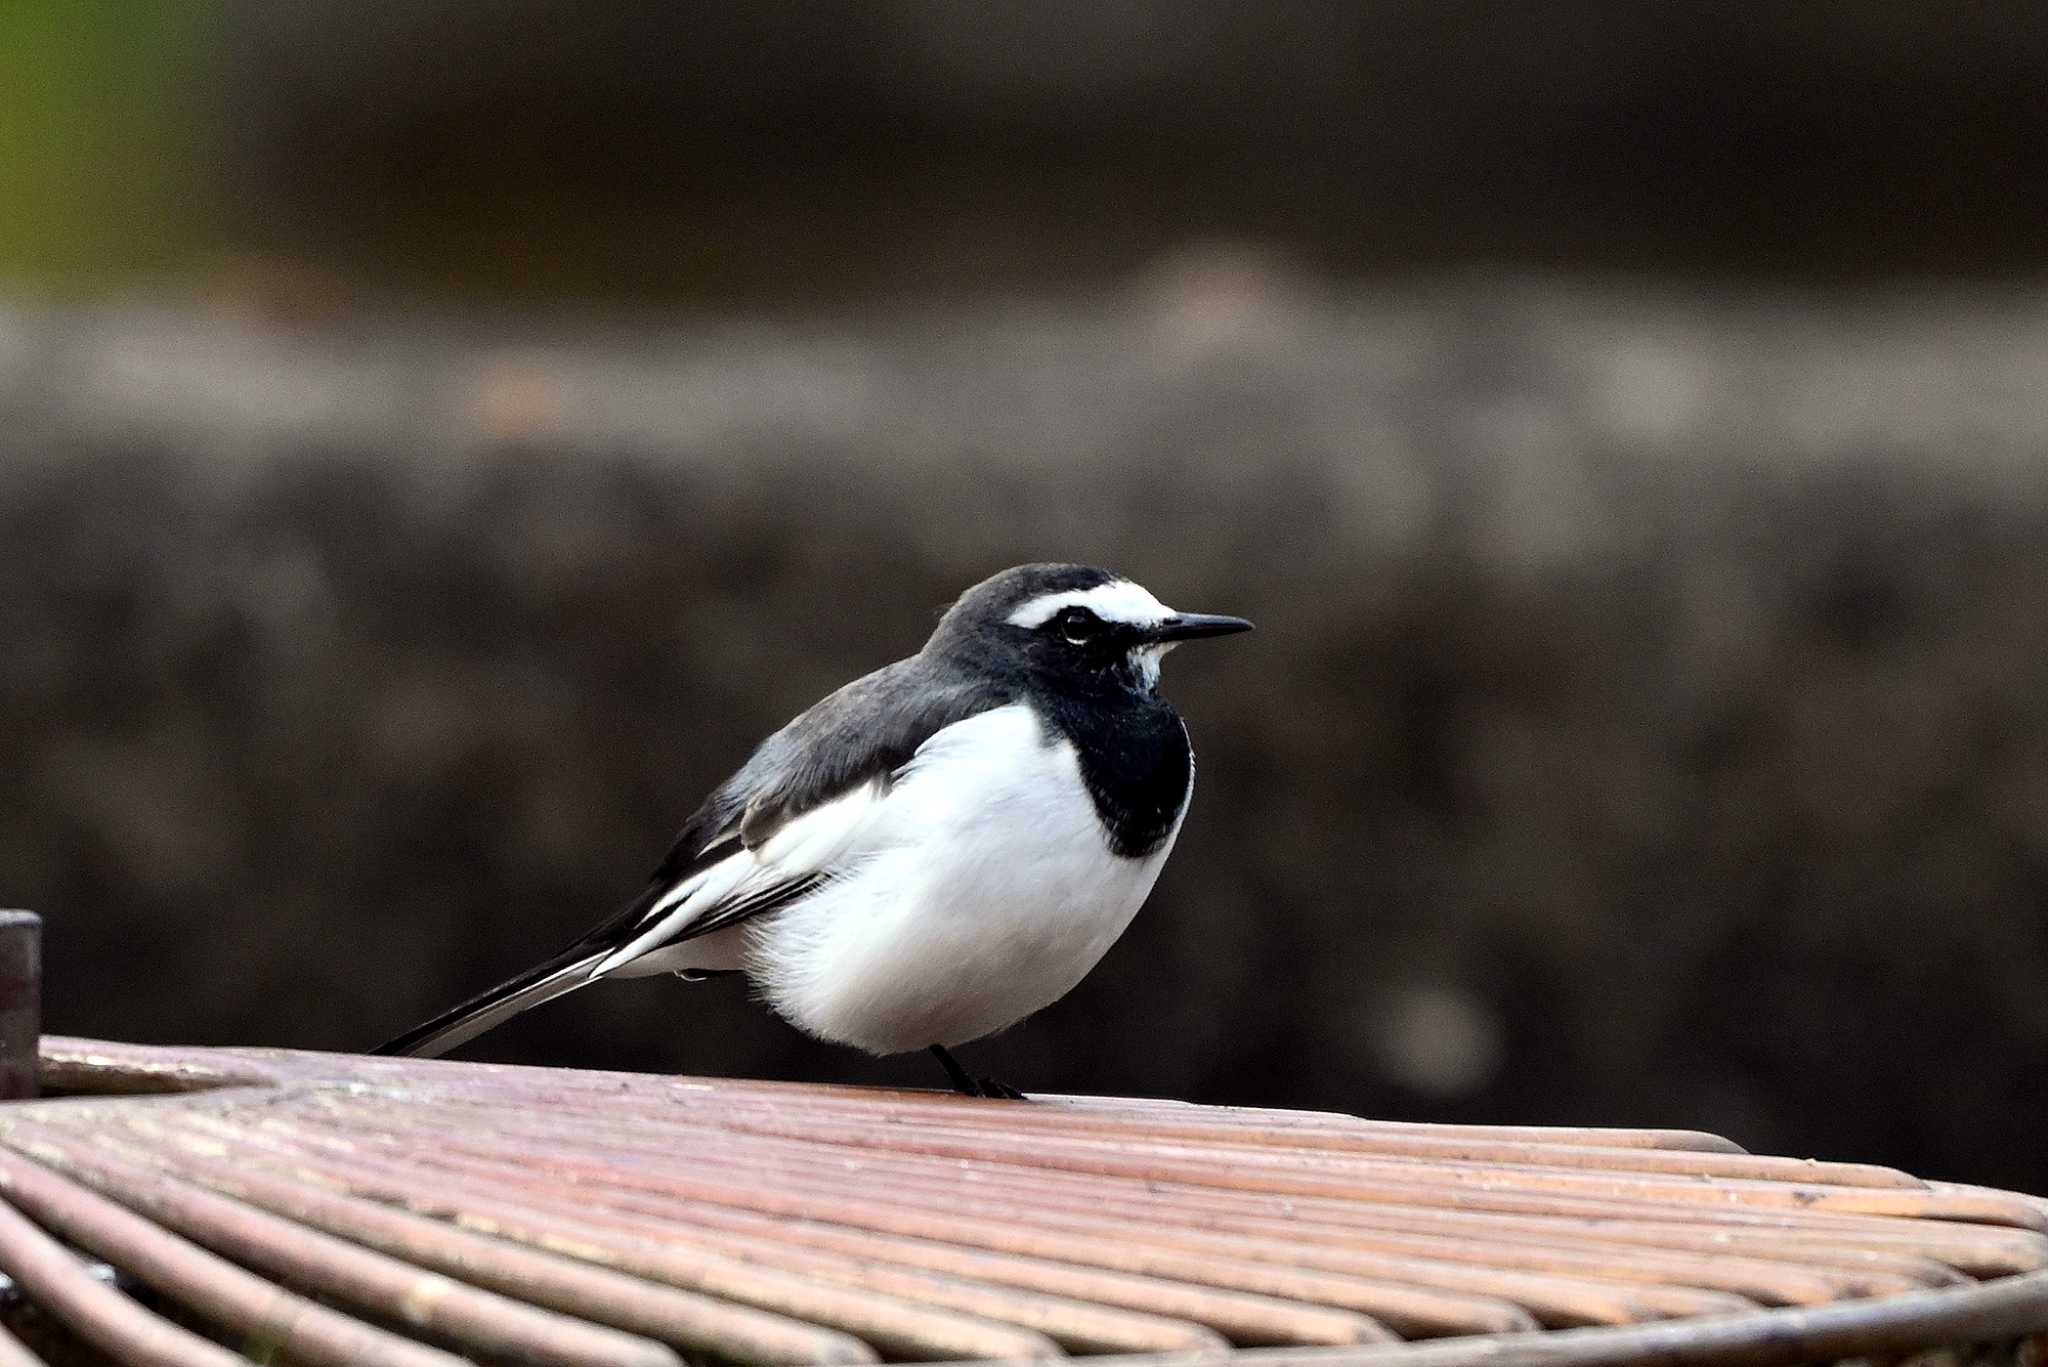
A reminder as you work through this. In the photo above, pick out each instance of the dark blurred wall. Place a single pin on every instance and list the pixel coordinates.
(1648, 721)
(786, 154)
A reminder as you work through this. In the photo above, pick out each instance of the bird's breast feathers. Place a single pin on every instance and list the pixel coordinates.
(972, 889)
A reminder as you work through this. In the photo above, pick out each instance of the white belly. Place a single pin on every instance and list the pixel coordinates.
(984, 891)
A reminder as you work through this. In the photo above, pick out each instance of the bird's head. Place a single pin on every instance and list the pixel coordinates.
(1073, 621)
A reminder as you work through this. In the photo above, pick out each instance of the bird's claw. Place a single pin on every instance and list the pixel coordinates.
(969, 1085)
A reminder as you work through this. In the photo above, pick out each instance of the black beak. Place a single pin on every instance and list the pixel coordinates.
(1186, 626)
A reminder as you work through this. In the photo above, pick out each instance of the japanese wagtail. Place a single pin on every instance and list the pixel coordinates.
(933, 852)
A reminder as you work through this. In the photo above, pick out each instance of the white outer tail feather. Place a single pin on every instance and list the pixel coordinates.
(559, 983)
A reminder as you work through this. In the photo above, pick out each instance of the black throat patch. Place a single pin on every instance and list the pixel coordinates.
(1134, 757)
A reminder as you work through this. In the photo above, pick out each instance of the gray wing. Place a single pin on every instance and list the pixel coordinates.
(860, 735)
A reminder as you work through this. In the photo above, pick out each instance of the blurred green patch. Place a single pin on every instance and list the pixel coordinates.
(109, 137)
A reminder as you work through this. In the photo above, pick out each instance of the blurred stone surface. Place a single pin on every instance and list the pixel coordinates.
(1649, 711)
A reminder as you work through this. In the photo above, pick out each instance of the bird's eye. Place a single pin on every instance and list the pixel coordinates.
(1078, 625)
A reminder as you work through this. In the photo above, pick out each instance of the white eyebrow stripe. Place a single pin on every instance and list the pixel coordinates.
(1117, 601)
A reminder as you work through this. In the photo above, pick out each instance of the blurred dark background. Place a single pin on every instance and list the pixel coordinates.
(436, 442)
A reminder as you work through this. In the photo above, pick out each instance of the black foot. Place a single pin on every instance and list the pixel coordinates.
(968, 1085)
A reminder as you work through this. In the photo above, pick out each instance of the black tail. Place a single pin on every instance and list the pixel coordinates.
(543, 982)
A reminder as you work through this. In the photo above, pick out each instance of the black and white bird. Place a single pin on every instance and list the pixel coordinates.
(935, 851)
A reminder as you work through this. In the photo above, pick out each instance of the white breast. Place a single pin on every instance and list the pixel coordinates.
(982, 890)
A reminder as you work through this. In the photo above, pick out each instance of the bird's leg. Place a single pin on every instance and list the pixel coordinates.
(962, 1083)
(968, 1085)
